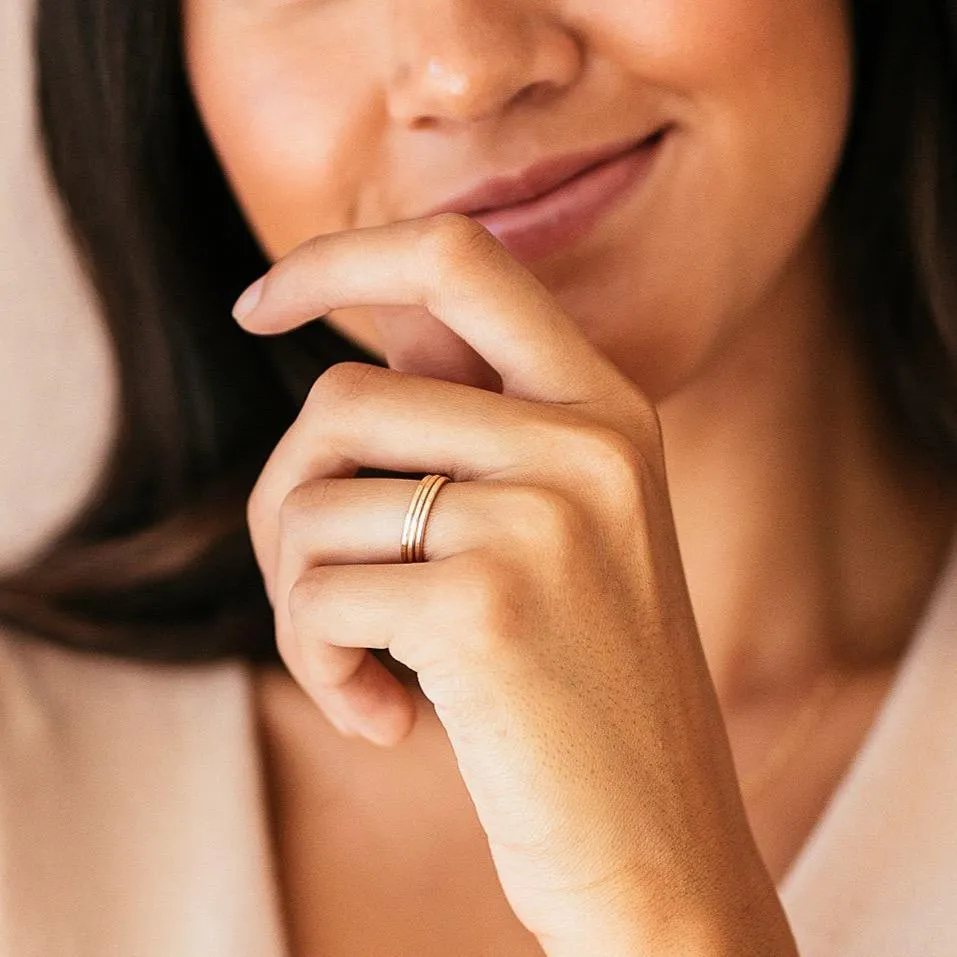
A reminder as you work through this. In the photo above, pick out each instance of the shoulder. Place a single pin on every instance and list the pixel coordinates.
(72, 720)
(56, 692)
(128, 791)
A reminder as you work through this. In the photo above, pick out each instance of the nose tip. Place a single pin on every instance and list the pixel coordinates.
(470, 72)
(443, 92)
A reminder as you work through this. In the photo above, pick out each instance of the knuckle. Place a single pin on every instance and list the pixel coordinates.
(290, 515)
(313, 246)
(341, 383)
(491, 599)
(541, 515)
(256, 512)
(303, 600)
(298, 508)
(454, 240)
(308, 639)
(307, 644)
(615, 466)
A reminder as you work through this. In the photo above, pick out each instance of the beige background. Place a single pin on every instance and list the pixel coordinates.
(57, 385)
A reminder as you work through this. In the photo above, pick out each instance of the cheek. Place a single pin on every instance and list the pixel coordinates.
(763, 87)
(761, 91)
(778, 124)
(782, 81)
(289, 117)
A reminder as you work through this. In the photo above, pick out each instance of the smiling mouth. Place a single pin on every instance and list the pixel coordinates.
(649, 141)
(552, 219)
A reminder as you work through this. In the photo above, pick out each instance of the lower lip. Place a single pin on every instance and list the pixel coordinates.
(540, 226)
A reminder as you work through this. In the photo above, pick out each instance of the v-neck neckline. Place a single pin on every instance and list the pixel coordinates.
(816, 885)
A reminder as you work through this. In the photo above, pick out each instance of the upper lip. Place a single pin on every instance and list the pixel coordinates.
(533, 180)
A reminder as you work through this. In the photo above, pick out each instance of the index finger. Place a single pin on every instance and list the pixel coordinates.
(456, 269)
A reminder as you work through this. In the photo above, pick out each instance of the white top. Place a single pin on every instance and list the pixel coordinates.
(133, 820)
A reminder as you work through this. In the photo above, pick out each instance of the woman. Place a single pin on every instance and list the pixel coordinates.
(719, 236)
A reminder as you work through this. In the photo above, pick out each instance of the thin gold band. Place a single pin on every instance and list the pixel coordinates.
(412, 545)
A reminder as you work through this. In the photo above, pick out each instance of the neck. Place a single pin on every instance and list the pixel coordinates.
(810, 538)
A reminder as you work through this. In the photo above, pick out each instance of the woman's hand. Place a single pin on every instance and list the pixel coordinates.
(551, 626)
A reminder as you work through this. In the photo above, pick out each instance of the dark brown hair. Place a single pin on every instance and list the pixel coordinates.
(158, 564)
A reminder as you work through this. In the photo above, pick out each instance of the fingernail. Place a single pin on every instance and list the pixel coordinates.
(340, 725)
(356, 726)
(249, 299)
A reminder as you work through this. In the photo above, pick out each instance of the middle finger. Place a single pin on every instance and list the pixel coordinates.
(365, 415)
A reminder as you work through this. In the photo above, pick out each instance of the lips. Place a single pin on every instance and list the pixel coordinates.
(534, 181)
(551, 204)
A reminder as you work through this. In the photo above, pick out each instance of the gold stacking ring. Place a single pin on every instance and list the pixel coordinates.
(412, 547)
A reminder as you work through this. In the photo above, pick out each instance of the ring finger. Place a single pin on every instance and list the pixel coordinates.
(348, 521)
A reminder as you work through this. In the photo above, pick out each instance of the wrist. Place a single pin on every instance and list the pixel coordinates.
(682, 940)
(684, 937)
(740, 924)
